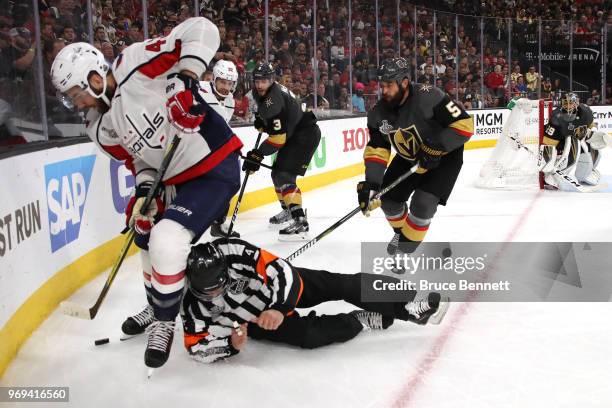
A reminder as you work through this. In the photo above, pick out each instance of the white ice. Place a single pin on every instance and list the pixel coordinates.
(482, 355)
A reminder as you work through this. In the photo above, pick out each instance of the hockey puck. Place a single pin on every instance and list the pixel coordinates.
(100, 342)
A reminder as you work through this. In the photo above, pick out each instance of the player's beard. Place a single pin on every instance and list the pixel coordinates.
(395, 101)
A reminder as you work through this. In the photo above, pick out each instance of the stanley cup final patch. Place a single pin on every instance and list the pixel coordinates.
(385, 128)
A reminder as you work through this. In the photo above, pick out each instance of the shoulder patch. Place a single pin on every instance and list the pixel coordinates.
(385, 127)
(426, 88)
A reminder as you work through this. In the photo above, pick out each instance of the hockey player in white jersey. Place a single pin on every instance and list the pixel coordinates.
(136, 107)
(218, 93)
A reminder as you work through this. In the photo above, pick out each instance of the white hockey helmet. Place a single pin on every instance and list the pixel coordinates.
(72, 67)
(225, 70)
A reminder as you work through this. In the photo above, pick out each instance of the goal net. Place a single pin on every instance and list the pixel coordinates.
(513, 164)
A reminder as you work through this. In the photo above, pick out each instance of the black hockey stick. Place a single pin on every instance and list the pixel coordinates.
(348, 216)
(76, 310)
(239, 200)
(267, 166)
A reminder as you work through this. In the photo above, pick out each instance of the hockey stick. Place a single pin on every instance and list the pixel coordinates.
(76, 310)
(348, 216)
(267, 166)
(573, 182)
(239, 200)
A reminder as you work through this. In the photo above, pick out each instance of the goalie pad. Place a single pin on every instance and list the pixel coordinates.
(586, 167)
(599, 140)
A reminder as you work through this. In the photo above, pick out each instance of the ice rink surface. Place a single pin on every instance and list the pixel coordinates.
(482, 355)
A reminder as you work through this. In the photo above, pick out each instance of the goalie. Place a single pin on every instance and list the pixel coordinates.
(571, 147)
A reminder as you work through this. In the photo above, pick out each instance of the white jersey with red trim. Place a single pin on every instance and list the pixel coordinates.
(224, 107)
(136, 127)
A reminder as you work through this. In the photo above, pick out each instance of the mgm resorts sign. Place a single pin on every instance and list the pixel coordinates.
(580, 55)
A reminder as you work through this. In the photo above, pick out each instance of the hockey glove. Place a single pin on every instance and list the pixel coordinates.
(259, 124)
(142, 223)
(428, 158)
(252, 163)
(599, 140)
(365, 194)
(183, 110)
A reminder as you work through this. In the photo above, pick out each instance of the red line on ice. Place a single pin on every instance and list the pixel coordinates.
(426, 364)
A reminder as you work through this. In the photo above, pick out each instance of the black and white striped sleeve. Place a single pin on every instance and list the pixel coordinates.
(210, 349)
(205, 338)
(285, 284)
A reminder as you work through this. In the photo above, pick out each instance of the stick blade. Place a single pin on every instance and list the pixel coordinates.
(75, 310)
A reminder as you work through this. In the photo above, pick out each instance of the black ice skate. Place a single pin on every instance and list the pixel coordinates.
(159, 343)
(137, 324)
(371, 320)
(280, 219)
(430, 310)
(219, 230)
(297, 230)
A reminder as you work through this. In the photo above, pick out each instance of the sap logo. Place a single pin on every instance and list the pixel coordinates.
(67, 183)
(122, 185)
(489, 119)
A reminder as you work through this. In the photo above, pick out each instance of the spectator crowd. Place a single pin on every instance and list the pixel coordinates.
(337, 72)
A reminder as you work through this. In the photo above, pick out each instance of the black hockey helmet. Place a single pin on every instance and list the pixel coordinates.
(207, 271)
(394, 69)
(263, 70)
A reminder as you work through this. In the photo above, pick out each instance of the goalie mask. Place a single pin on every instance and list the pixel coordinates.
(569, 104)
(72, 67)
(207, 273)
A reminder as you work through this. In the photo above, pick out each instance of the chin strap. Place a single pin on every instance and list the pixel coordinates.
(102, 94)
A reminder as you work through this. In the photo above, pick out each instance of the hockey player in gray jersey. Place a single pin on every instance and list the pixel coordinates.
(424, 126)
(232, 282)
(294, 135)
(572, 145)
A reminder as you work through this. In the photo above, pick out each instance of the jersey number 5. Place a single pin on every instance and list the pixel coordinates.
(453, 109)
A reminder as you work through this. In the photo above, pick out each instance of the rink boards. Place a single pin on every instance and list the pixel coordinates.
(63, 209)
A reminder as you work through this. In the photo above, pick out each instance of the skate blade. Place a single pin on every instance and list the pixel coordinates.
(278, 227)
(302, 236)
(150, 372)
(125, 337)
(437, 317)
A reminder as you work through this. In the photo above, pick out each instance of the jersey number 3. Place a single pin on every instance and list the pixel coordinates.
(277, 124)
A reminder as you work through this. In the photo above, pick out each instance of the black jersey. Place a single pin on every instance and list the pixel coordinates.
(427, 120)
(281, 113)
(561, 125)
